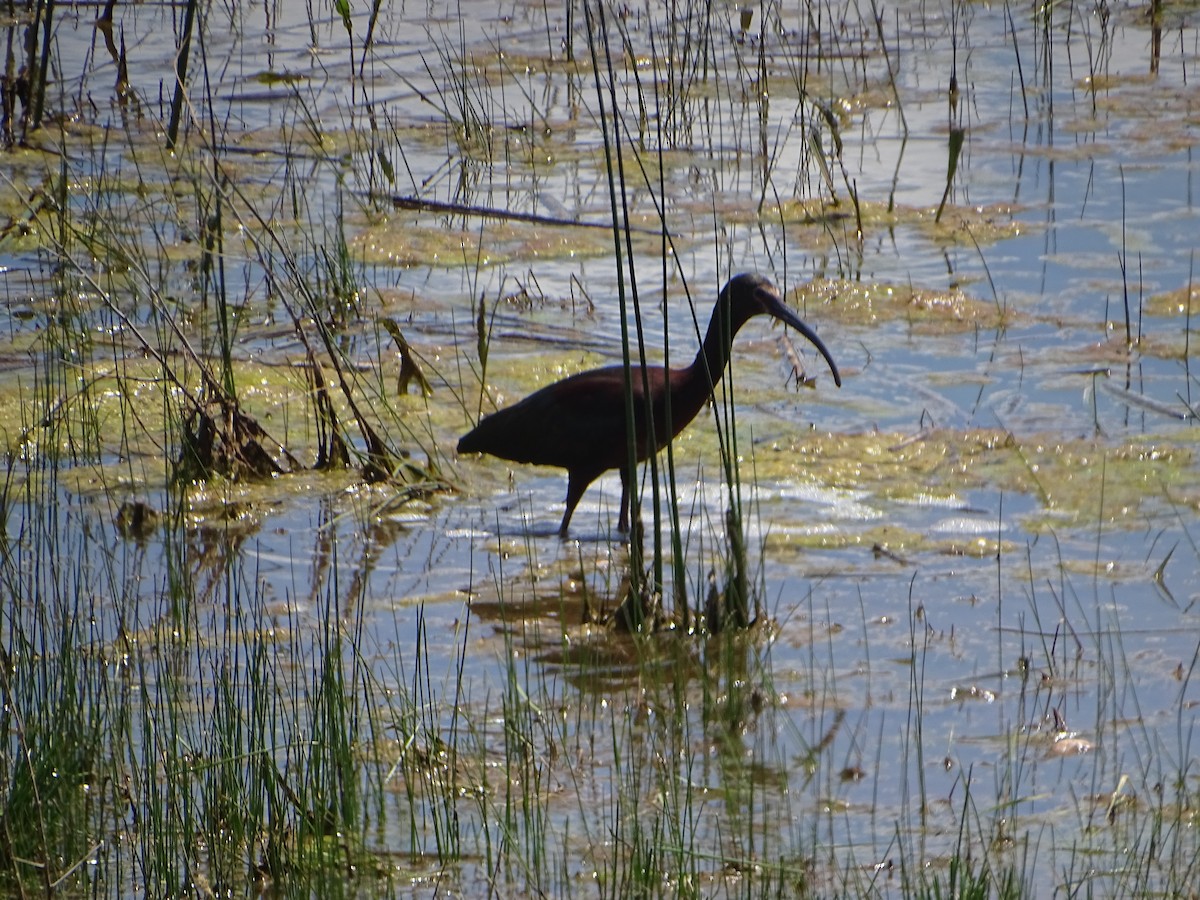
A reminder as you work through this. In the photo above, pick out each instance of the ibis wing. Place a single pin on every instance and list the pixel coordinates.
(577, 423)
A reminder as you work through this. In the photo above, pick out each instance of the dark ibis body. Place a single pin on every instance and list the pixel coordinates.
(579, 423)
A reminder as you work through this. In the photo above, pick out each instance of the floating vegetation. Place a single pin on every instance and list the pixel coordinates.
(1075, 482)
(399, 241)
(966, 226)
(969, 226)
(1183, 301)
(867, 303)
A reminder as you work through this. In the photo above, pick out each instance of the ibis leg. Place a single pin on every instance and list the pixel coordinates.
(576, 484)
(626, 499)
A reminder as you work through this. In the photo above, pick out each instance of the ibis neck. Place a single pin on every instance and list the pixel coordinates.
(710, 362)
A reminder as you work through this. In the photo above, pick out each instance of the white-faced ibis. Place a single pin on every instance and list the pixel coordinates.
(579, 423)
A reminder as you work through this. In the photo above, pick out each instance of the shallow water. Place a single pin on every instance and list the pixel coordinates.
(991, 528)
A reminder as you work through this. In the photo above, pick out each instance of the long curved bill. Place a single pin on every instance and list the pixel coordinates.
(776, 307)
